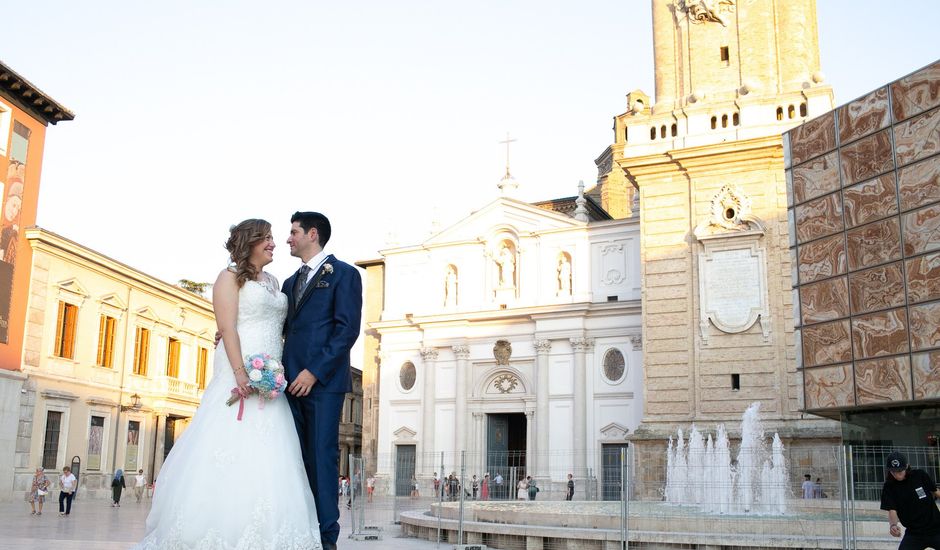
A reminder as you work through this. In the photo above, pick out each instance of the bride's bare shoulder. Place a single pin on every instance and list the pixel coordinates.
(226, 276)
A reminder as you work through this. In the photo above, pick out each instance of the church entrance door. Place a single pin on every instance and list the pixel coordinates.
(610, 456)
(505, 452)
(404, 469)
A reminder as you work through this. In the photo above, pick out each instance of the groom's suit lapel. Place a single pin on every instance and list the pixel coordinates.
(312, 285)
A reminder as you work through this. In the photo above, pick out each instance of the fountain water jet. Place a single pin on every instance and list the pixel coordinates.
(702, 473)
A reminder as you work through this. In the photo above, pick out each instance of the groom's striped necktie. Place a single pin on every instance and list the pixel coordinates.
(300, 283)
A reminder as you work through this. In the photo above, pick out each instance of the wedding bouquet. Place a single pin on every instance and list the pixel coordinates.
(266, 378)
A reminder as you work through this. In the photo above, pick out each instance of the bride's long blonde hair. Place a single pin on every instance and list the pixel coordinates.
(242, 237)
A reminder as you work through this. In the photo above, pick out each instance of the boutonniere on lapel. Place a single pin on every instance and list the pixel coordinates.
(327, 269)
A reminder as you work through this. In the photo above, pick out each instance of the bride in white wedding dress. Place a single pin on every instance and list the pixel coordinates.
(238, 484)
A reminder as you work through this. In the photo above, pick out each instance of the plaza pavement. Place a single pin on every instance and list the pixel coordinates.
(95, 525)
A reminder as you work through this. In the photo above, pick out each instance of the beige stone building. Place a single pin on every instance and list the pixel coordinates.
(703, 165)
(115, 363)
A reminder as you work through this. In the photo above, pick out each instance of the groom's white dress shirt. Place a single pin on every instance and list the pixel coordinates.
(315, 264)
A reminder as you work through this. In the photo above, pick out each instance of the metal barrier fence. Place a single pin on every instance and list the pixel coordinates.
(684, 496)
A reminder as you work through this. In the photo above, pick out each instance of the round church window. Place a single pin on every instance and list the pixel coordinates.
(407, 375)
(614, 365)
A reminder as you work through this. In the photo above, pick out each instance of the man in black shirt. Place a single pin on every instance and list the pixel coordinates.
(570, 494)
(908, 496)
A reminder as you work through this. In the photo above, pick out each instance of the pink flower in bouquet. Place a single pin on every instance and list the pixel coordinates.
(257, 363)
(273, 394)
(279, 379)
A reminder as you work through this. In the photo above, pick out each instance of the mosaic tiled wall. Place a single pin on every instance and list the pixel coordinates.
(863, 187)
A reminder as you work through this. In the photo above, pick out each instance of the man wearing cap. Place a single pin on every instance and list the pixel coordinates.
(908, 496)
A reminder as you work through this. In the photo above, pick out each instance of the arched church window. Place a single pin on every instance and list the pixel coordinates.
(791, 111)
(736, 119)
(662, 131)
(407, 376)
(675, 130)
(714, 122)
(724, 121)
(652, 133)
(802, 109)
(779, 113)
(614, 365)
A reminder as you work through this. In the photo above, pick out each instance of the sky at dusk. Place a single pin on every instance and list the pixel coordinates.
(386, 116)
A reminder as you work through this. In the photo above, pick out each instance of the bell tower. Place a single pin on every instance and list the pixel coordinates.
(702, 166)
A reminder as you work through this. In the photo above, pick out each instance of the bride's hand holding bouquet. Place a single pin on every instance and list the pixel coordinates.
(265, 377)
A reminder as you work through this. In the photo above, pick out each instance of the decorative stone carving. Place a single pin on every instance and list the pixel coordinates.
(429, 354)
(614, 431)
(450, 287)
(543, 346)
(704, 11)
(733, 286)
(502, 351)
(581, 344)
(732, 266)
(730, 212)
(637, 341)
(505, 383)
(564, 275)
(404, 433)
(612, 263)
(462, 351)
(506, 262)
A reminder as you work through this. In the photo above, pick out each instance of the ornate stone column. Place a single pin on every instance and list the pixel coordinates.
(428, 357)
(579, 346)
(541, 462)
(462, 352)
(479, 445)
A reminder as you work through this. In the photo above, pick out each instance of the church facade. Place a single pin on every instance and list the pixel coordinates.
(513, 335)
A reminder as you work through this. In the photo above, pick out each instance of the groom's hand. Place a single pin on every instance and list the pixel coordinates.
(302, 385)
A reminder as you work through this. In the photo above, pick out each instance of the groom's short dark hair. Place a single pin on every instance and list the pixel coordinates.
(314, 220)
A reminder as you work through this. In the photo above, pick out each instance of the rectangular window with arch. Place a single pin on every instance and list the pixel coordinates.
(173, 358)
(106, 328)
(50, 443)
(65, 330)
(202, 362)
(141, 351)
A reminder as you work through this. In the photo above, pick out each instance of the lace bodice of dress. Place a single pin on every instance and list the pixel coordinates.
(262, 308)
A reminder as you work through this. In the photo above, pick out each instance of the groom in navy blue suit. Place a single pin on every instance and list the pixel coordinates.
(325, 309)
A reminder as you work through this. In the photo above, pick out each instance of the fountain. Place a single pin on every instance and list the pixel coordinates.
(701, 472)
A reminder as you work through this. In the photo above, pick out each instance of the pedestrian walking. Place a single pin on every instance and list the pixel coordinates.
(117, 487)
(38, 491)
(370, 486)
(908, 496)
(809, 490)
(437, 484)
(140, 483)
(570, 493)
(475, 486)
(414, 487)
(532, 487)
(67, 487)
(522, 489)
(485, 487)
(498, 480)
